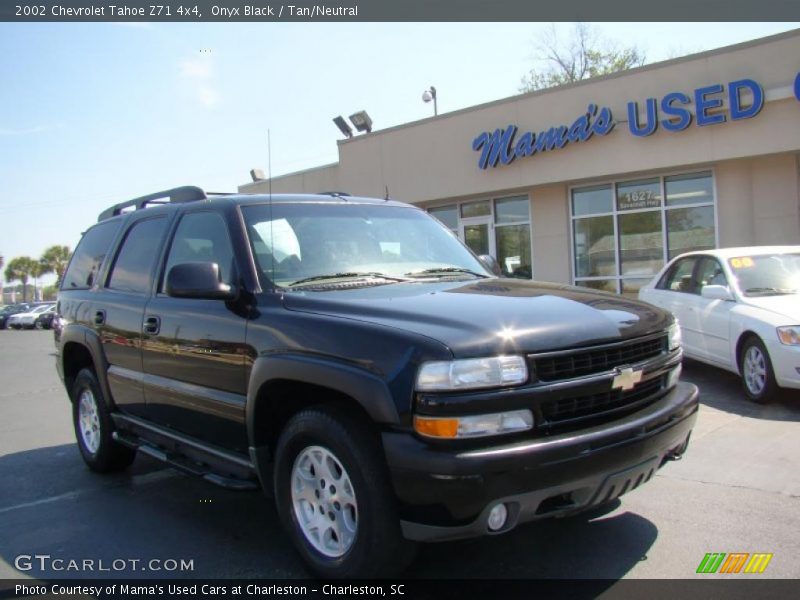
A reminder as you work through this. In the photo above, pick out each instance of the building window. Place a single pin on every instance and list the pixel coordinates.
(512, 227)
(500, 227)
(448, 215)
(623, 232)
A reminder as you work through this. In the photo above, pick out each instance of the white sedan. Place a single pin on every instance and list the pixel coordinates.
(739, 309)
(26, 320)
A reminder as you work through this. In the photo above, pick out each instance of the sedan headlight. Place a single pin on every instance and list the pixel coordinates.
(471, 373)
(675, 338)
(789, 335)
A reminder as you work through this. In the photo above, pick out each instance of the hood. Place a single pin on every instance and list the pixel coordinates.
(786, 305)
(491, 316)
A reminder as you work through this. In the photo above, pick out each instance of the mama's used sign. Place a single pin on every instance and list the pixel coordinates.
(504, 146)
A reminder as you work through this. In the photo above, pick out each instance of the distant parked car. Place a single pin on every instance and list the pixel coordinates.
(12, 309)
(26, 320)
(45, 319)
(739, 309)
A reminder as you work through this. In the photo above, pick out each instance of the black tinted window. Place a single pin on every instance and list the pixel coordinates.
(88, 256)
(133, 269)
(202, 237)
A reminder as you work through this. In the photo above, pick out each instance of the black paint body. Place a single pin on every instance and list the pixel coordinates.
(198, 367)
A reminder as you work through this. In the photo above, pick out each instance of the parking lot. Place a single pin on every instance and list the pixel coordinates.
(736, 490)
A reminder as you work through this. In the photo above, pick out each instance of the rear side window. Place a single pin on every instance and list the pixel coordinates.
(88, 256)
(133, 269)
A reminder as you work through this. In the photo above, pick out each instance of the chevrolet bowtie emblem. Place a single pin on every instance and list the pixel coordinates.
(626, 379)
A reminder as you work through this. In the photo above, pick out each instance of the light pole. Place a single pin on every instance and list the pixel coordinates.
(429, 95)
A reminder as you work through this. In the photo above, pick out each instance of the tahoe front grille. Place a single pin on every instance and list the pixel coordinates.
(588, 361)
(556, 411)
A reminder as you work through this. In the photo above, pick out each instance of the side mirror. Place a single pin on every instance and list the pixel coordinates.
(198, 280)
(490, 262)
(717, 292)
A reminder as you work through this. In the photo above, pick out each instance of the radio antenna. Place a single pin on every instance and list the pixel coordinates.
(271, 235)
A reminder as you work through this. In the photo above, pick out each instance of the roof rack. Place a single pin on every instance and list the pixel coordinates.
(187, 193)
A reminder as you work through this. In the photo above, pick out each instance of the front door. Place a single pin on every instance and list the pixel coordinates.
(478, 234)
(193, 350)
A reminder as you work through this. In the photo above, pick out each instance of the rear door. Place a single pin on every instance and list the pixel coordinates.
(118, 316)
(194, 349)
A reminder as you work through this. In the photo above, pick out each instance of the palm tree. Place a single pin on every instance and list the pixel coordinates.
(54, 260)
(20, 269)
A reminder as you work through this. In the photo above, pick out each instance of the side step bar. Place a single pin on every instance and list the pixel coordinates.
(185, 454)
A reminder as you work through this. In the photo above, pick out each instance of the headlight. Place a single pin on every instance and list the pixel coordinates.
(789, 335)
(475, 425)
(675, 339)
(471, 373)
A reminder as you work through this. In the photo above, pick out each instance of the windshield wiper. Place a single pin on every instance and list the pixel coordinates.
(348, 275)
(444, 270)
(769, 290)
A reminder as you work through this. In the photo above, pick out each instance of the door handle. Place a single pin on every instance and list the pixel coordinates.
(152, 325)
(99, 317)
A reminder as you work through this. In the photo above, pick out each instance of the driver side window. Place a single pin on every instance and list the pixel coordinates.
(710, 273)
(201, 237)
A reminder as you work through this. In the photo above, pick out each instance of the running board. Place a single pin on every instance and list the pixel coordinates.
(186, 455)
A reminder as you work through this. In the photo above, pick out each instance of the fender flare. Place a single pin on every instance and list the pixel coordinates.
(88, 338)
(366, 388)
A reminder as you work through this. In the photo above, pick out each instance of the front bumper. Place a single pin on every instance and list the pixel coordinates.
(447, 494)
(785, 363)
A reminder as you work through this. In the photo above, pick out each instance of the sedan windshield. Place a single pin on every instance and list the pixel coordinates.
(767, 274)
(314, 245)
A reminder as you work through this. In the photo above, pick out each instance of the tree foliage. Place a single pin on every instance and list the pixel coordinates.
(21, 269)
(583, 56)
(54, 260)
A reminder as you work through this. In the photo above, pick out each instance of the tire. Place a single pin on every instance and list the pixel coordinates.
(758, 378)
(328, 460)
(39, 325)
(93, 427)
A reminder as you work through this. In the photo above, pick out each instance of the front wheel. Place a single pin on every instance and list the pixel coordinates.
(94, 427)
(758, 378)
(334, 496)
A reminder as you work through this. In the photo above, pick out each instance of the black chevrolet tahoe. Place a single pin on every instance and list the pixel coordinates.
(352, 358)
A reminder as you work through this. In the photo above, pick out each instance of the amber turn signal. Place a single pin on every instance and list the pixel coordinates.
(436, 427)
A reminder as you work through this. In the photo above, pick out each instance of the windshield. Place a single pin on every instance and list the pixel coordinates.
(304, 244)
(767, 274)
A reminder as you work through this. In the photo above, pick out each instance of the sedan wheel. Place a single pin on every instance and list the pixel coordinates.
(757, 375)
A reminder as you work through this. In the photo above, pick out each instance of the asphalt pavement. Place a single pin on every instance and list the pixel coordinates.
(736, 490)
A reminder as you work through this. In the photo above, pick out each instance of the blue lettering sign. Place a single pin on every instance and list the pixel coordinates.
(495, 147)
(633, 118)
(797, 87)
(500, 146)
(684, 117)
(703, 104)
(739, 112)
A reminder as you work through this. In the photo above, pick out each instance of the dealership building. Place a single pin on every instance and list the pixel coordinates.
(598, 183)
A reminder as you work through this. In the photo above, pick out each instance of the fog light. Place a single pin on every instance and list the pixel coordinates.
(497, 517)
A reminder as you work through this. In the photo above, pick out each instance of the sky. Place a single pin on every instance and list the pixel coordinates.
(96, 113)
